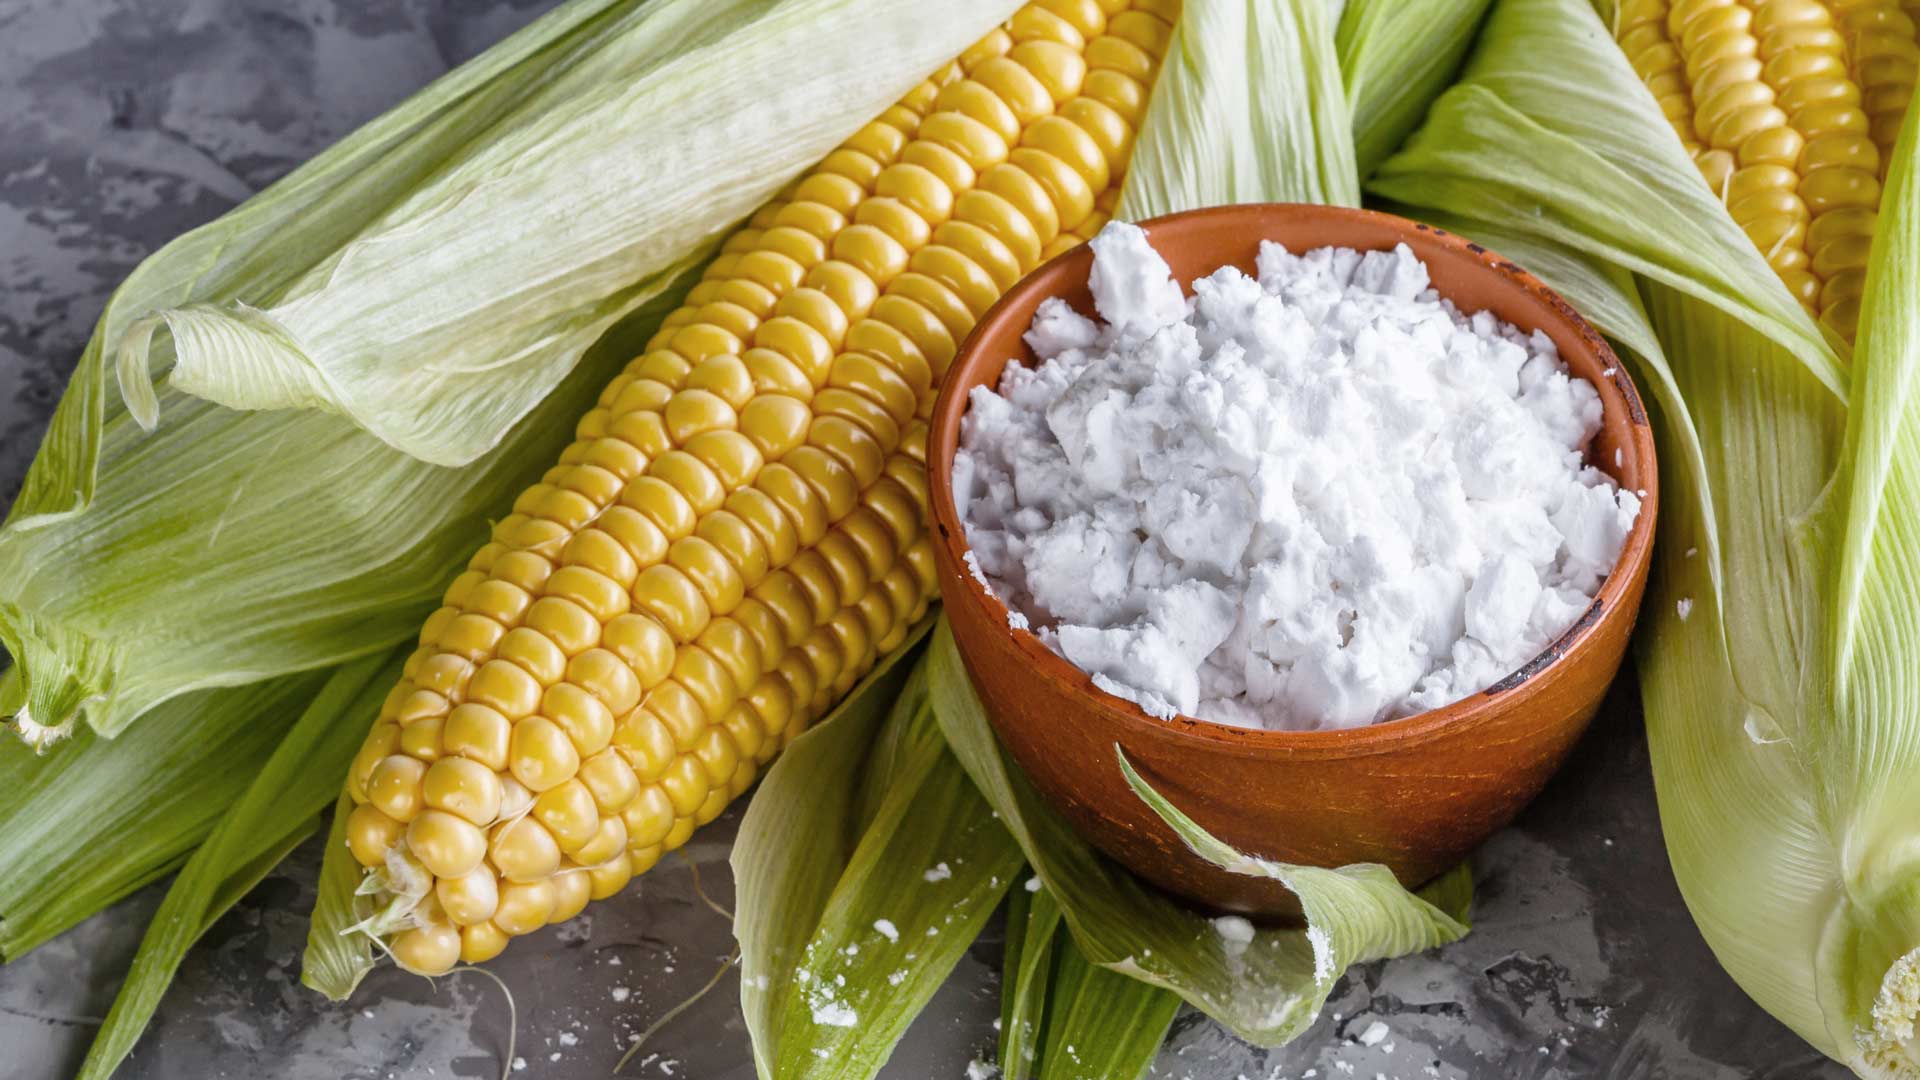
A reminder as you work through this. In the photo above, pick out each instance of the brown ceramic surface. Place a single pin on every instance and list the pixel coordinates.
(1416, 794)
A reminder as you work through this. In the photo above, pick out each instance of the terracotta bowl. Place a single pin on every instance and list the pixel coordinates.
(1417, 794)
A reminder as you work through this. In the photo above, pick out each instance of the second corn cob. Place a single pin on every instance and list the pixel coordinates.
(1791, 109)
(737, 533)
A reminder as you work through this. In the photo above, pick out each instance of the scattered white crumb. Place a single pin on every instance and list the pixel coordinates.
(613, 961)
(973, 565)
(368, 1013)
(568, 1038)
(1033, 883)
(1235, 933)
(1692, 551)
(519, 1064)
(896, 978)
(981, 1070)
(832, 1013)
(1016, 619)
(1609, 372)
(1375, 1034)
(940, 871)
(887, 929)
(620, 993)
(555, 1056)
(1684, 608)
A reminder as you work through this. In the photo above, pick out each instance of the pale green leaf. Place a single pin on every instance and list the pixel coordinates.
(1396, 56)
(336, 959)
(1268, 991)
(795, 840)
(1248, 107)
(95, 819)
(922, 882)
(1026, 967)
(1099, 1022)
(279, 809)
(441, 322)
(1361, 911)
(849, 921)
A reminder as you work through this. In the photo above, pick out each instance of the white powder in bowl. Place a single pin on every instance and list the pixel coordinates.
(1319, 499)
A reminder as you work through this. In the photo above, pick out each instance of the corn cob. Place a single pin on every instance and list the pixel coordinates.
(1791, 109)
(737, 533)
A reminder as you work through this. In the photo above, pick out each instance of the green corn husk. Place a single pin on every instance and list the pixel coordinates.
(280, 808)
(1779, 660)
(417, 296)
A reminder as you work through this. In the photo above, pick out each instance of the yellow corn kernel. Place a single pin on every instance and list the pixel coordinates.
(394, 786)
(524, 906)
(523, 850)
(427, 950)
(569, 813)
(542, 755)
(446, 845)
(609, 877)
(572, 889)
(464, 787)
(481, 942)
(469, 898)
(371, 833)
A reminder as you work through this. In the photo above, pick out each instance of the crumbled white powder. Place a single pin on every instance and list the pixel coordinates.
(1235, 933)
(519, 1064)
(973, 567)
(1375, 1034)
(1316, 499)
(620, 993)
(1322, 946)
(887, 929)
(981, 1070)
(1684, 607)
(1033, 883)
(940, 872)
(829, 1012)
(568, 1038)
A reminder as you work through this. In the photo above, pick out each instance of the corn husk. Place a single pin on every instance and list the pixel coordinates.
(418, 296)
(1779, 659)
(279, 809)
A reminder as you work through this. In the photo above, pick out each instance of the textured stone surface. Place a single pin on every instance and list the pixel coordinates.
(122, 124)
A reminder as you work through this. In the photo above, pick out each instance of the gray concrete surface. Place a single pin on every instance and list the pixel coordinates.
(124, 123)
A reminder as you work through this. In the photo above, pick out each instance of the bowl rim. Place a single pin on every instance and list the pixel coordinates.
(1618, 392)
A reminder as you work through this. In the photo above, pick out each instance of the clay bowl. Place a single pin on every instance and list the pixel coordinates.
(1416, 794)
